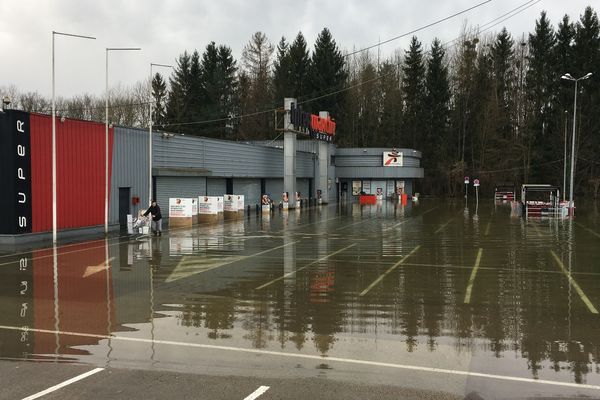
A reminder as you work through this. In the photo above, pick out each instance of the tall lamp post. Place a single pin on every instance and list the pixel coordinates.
(106, 183)
(568, 77)
(150, 133)
(564, 188)
(54, 225)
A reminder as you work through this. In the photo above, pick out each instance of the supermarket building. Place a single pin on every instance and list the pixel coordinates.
(182, 166)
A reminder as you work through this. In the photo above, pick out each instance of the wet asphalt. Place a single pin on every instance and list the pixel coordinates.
(430, 300)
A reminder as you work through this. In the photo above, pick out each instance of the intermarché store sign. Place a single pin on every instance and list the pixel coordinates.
(317, 128)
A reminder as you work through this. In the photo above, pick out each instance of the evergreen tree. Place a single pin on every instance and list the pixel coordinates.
(282, 72)
(326, 76)
(219, 84)
(502, 60)
(180, 89)
(159, 98)
(437, 98)
(541, 85)
(299, 60)
(413, 85)
(391, 104)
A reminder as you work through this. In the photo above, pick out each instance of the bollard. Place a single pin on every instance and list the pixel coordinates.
(257, 209)
(248, 208)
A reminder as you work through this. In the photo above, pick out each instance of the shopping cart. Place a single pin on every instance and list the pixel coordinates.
(141, 225)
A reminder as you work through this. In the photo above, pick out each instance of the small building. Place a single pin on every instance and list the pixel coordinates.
(182, 166)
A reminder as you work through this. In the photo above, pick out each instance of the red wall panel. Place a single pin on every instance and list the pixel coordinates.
(80, 172)
(85, 301)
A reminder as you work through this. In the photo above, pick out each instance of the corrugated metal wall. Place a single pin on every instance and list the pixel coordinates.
(302, 185)
(177, 186)
(216, 186)
(224, 158)
(250, 188)
(274, 188)
(80, 172)
(130, 166)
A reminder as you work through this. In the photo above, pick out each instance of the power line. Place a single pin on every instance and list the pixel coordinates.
(419, 29)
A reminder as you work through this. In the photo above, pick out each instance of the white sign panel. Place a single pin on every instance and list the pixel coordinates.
(240, 202)
(208, 205)
(230, 202)
(219, 203)
(194, 206)
(392, 159)
(180, 208)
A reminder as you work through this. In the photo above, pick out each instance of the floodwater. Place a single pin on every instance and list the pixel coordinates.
(381, 294)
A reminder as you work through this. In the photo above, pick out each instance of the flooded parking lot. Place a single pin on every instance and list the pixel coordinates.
(468, 301)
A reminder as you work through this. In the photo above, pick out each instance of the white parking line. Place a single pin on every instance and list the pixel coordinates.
(315, 357)
(258, 392)
(63, 384)
(304, 267)
(573, 283)
(390, 269)
(472, 278)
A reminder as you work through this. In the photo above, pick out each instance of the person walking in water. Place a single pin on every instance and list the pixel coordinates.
(154, 210)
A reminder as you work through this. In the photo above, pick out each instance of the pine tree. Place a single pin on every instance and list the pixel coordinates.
(541, 85)
(413, 85)
(436, 105)
(180, 88)
(326, 76)
(159, 98)
(299, 66)
(391, 104)
(282, 72)
(502, 59)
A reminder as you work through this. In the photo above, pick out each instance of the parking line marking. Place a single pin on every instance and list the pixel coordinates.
(487, 228)
(257, 393)
(390, 269)
(182, 271)
(317, 358)
(573, 283)
(588, 229)
(63, 384)
(472, 278)
(304, 267)
(441, 228)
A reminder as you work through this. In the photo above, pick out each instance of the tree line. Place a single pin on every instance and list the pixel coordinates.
(489, 105)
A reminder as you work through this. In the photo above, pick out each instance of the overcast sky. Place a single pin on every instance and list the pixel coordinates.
(165, 28)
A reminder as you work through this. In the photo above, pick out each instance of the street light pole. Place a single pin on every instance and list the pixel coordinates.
(568, 77)
(150, 133)
(565, 162)
(54, 217)
(106, 183)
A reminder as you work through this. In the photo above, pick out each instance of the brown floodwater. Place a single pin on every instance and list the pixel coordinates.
(344, 292)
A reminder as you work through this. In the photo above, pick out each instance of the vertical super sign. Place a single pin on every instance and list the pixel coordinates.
(23, 173)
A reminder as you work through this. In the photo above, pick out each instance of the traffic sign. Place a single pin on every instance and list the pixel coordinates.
(466, 180)
(476, 182)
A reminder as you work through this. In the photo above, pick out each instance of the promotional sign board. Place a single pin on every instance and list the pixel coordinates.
(367, 187)
(230, 203)
(181, 212)
(319, 128)
(219, 203)
(240, 202)
(208, 205)
(356, 188)
(392, 159)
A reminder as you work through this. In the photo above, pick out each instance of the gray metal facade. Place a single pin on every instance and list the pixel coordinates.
(250, 188)
(177, 186)
(274, 188)
(221, 158)
(216, 186)
(368, 163)
(129, 169)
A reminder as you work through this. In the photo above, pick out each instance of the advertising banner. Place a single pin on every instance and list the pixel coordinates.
(240, 202)
(180, 208)
(219, 203)
(208, 205)
(230, 203)
(356, 188)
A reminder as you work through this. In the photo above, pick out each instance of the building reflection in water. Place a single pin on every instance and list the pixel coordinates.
(523, 306)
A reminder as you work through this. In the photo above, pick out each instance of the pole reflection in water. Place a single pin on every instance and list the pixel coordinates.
(296, 289)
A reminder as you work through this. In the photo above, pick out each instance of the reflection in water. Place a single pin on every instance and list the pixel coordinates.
(524, 315)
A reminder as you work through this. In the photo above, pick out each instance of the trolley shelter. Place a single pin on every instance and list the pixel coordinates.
(540, 200)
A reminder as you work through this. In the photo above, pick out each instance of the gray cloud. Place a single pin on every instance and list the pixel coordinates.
(164, 29)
